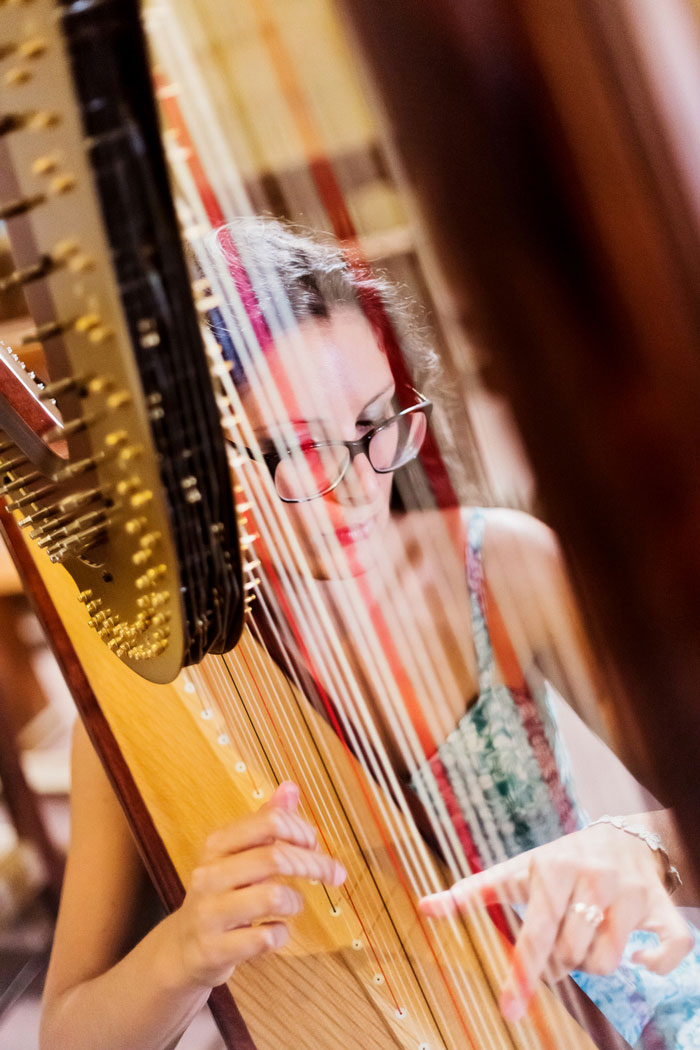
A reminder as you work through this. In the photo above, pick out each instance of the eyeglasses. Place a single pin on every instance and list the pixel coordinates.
(313, 469)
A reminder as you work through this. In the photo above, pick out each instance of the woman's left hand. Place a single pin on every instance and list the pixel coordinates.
(585, 894)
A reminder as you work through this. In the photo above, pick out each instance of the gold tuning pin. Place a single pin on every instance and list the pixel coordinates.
(42, 120)
(128, 485)
(140, 499)
(81, 264)
(100, 385)
(62, 183)
(116, 438)
(46, 164)
(16, 76)
(134, 526)
(87, 321)
(100, 334)
(32, 48)
(118, 399)
(150, 539)
(130, 453)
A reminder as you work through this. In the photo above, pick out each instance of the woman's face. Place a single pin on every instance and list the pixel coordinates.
(343, 387)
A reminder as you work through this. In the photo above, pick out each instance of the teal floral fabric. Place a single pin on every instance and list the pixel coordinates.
(503, 776)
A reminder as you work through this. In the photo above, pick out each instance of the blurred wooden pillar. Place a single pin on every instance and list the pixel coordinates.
(537, 148)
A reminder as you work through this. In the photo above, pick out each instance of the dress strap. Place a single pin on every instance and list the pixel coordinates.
(491, 640)
(485, 658)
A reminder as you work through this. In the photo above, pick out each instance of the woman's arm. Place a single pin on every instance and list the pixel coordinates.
(95, 999)
(585, 894)
(587, 891)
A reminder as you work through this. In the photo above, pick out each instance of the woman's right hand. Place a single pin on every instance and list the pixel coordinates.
(237, 902)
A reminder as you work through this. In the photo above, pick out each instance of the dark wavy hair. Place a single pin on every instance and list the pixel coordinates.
(285, 276)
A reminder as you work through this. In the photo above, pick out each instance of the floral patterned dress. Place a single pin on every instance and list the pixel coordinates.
(503, 775)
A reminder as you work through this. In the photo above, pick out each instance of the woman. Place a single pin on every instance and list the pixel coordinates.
(325, 434)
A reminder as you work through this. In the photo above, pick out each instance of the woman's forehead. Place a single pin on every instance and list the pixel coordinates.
(323, 367)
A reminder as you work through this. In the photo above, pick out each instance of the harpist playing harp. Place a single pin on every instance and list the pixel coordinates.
(323, 678)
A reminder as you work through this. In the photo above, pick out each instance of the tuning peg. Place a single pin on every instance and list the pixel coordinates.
(20, 206)
(23, 276)
(66, 430)
(10, 464)
(42, 334)
(31, 120)
(32, 497)
(20, 483)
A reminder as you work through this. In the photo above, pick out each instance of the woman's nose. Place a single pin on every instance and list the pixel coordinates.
(360, 483)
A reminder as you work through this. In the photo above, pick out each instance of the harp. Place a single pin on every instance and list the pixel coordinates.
(213, 780)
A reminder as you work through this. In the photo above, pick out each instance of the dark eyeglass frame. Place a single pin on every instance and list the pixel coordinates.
(360, 446)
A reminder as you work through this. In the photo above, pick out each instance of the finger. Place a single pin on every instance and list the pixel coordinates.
(238, 946)
(270, 823)
(505, 883)
(593, 893)
(253, 904)
(624, 914)
(267, 862)
(551, 884)
(285, 795)
(675, 941)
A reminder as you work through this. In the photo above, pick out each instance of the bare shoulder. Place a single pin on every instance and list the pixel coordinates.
(524, 568)
(512, 537)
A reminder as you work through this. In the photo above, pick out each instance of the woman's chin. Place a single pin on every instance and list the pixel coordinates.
(350, 568)
(345, 564)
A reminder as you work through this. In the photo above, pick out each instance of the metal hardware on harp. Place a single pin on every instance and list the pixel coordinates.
(375, 670)
(73, 210)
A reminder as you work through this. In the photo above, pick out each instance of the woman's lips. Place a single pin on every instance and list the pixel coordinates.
(346, 535)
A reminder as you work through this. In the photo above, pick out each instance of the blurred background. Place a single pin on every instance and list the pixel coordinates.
(301, 140)
(281, 112)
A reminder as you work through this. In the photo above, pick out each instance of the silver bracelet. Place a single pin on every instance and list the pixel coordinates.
(672, 879)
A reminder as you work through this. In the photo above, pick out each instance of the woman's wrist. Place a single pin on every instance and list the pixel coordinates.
(172, 971)
(669, 873)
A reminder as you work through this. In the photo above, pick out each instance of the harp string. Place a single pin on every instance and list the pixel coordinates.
(271, 505)
(350, 725)
(427, 676)
(359, 746)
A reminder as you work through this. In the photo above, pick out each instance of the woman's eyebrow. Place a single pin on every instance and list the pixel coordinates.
(265, 432)
(389, 389)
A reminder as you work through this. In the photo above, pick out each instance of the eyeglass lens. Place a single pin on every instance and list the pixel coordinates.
(315, 470)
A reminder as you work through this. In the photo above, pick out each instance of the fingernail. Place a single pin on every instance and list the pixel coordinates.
(511, 1005)
(277, 936)
(340, 873)
(437, 904)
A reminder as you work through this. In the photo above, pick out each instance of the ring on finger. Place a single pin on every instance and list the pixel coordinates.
(590, 913)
